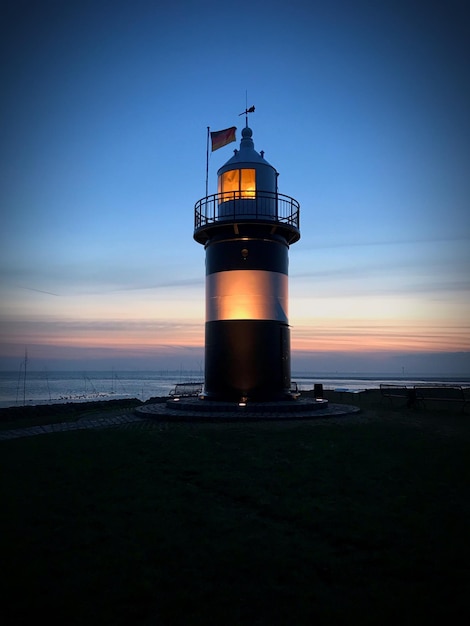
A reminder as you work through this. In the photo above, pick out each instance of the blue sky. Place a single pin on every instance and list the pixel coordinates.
(363, 109)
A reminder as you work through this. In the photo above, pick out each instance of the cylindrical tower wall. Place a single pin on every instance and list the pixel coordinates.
(247, 343)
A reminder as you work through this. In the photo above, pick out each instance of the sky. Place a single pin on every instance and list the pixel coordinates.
(363, 109)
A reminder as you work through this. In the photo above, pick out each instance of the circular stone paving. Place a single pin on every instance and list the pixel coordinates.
(195, 409)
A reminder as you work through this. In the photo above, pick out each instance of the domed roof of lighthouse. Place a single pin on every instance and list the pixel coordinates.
(246, 154)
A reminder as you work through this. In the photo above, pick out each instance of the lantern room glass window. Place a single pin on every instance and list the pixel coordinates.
(236, 184)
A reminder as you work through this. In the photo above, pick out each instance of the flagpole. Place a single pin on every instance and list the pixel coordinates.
(207, 162)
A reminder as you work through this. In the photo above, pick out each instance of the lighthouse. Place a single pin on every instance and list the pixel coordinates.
(247, 228)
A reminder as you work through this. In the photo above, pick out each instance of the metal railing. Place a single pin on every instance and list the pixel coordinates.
(241, 205)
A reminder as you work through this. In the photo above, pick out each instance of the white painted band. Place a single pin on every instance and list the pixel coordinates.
(246, 295)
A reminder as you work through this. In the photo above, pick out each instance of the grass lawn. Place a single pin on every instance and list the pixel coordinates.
(362, 520)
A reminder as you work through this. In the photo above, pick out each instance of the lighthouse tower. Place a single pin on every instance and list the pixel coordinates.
(246, 229)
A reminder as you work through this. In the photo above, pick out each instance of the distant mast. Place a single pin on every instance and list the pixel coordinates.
(24, 379)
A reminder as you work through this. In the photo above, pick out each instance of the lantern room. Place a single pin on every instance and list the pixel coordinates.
(247, 183)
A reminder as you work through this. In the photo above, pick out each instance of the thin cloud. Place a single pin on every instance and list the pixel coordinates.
(57, 324)
(187, 282)
(98, 285)
(49, 293)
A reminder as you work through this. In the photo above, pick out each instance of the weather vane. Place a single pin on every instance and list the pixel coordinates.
(245, 113)
(247, 110)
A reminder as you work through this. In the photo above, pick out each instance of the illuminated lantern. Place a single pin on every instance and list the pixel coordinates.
(246, 229)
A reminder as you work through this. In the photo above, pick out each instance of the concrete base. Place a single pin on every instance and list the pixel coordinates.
(195, 409)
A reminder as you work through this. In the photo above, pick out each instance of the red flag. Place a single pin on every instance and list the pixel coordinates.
(221, 138)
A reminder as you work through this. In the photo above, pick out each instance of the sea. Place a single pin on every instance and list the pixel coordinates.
(49, 387)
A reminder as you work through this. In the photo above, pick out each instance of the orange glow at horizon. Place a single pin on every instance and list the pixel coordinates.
(147, 336)
(142, 334)
(374, 336)
(351, 338)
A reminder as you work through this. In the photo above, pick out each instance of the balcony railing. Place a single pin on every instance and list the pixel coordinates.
(264, 206)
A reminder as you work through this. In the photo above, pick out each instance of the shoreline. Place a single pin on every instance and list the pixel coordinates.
(48, 389)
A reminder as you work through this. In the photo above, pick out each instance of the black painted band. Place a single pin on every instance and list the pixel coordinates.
(240, 254)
